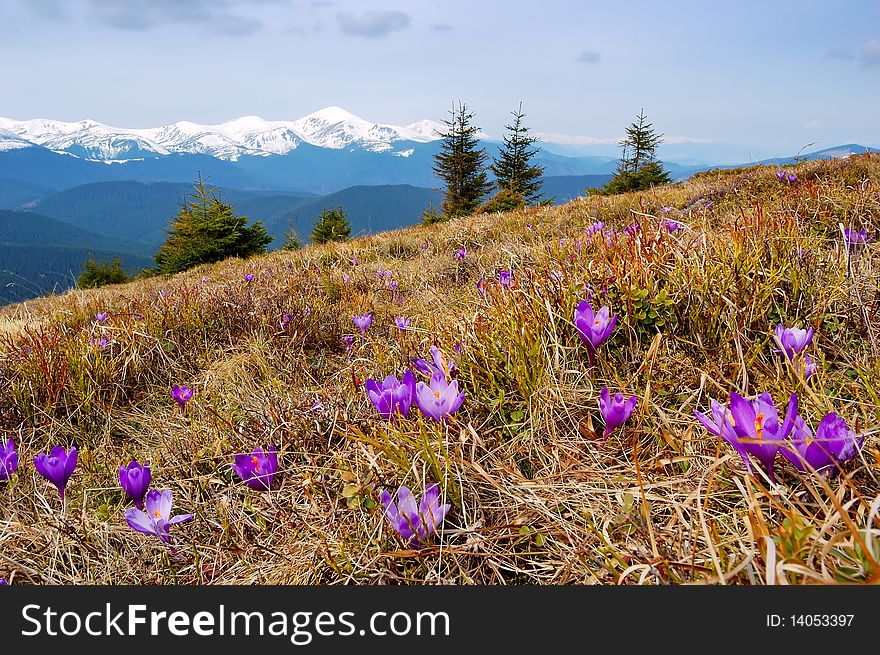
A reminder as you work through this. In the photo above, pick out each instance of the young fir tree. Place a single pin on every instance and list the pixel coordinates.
(461, 165)
(513, 170)
(332, 225)
(98, 273)
(206, 230)
(291, 238)
(638, 167)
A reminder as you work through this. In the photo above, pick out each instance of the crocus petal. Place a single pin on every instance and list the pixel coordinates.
(139, 521)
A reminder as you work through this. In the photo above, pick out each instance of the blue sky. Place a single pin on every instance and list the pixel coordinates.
(767, 75)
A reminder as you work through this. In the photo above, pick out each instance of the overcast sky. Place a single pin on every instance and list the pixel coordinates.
(769, 74)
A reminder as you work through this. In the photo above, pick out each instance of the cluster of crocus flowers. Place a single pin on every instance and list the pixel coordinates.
(57, 466)
(181, 394)
(785, 176)
(8, 460)
(752, 427)
(615, 409)
(363, 321)
(157, 519)
(258, 468)
(414, 520)
(855, 237)
(593, 327)
(392, 398)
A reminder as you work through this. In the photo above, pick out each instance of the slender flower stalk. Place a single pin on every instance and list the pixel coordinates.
(157, 519)
(615, 410)
(257, 469)
(135, 480)
(392, 398)
(8, 460)
(414, 521)
(440, 398)
(57, 466)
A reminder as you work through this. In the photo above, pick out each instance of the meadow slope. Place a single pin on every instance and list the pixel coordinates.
(536, 497)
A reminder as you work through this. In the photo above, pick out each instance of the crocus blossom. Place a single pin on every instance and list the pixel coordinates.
(809, 367)
(833, 444)
(481, 286)
(363, 322)
(414, 521)
(135, 480)
(348, 340)
(792, 178)
(258, 468)
(392, 396)
(249, 277)
(100, 317)
(596, 227)
(594, 328)
(440, 398)
(855, 237)
(615, 410)
(504, 279)
(792, 341)
(8, 460)
(442, 363)
(671, 226)
(632, 228)
(181, 394)
(781, 175)
(157, 519)
(461, 253)
(57, 466)
(402, 322)
(3, 582)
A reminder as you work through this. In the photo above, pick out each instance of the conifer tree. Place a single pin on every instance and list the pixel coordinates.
(332, 225)
(98, 273)
(513, 170)
(206, 230)
(461, 164)
(638, 167)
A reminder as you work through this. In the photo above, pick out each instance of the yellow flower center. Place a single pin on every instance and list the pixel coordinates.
(157, 514)
(436, 394)
(759, 425)
(256, 462)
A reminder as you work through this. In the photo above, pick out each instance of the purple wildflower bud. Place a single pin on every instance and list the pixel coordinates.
(181, 394)
(632, 229)
(615, 410)
(792, 178)
(425, 245)
(258, 468)
(504, 278)
(157, 519)
(461, 253)
(392, 397)
(286, 318)
(204, 279)
(101, 343)
(528, 226)
(833, 444)
(354, 261)
(57, 466)
(792, 341)
(481, 286)
(363, 321)
(440, 398)
(413, 521)
(135, 480)
(809, 367)
(594, 329)
(348, 340)
(249, 277)
(671, 226)
(391, 284)
(3, 582)
(101, 317)
(781, 175)
(856, 237)
(595, 228)
(8, 460)
(710, 206)
(402, 322)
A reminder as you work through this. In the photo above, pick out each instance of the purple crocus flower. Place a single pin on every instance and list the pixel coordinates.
(671, 226)
(135, 480)
(348, 340)
(391, 284)
(809, 366)
(504, 279)
(157, 520)
(855, 237)
(593, 328)
(413, 521)
(257, 469)
(101, 317)
(345, 278)
(402, 322)
(441, 364)
(101, 343)
(286, 318)
(833, 444)
(440, 398)
(781, 175)
(393, 396)
(363, 321)
(3, 582)
(249, 277)
(8, 460)
(710, 206)
(481, 286)
(57, 466)
(792, 178)
(596, 227)
(792, 341)
(666, 210)
(354, 261)
(181, 394)
(461, 253)
(204, 279)
(615, 410)
(632, 228)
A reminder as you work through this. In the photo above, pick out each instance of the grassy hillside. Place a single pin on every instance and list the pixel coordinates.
(537, 495)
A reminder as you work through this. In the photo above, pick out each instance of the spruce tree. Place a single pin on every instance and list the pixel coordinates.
(206, 230)
(332, 225)
(461, 164)
(98, 273)
(513, 170)
(638, 167)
